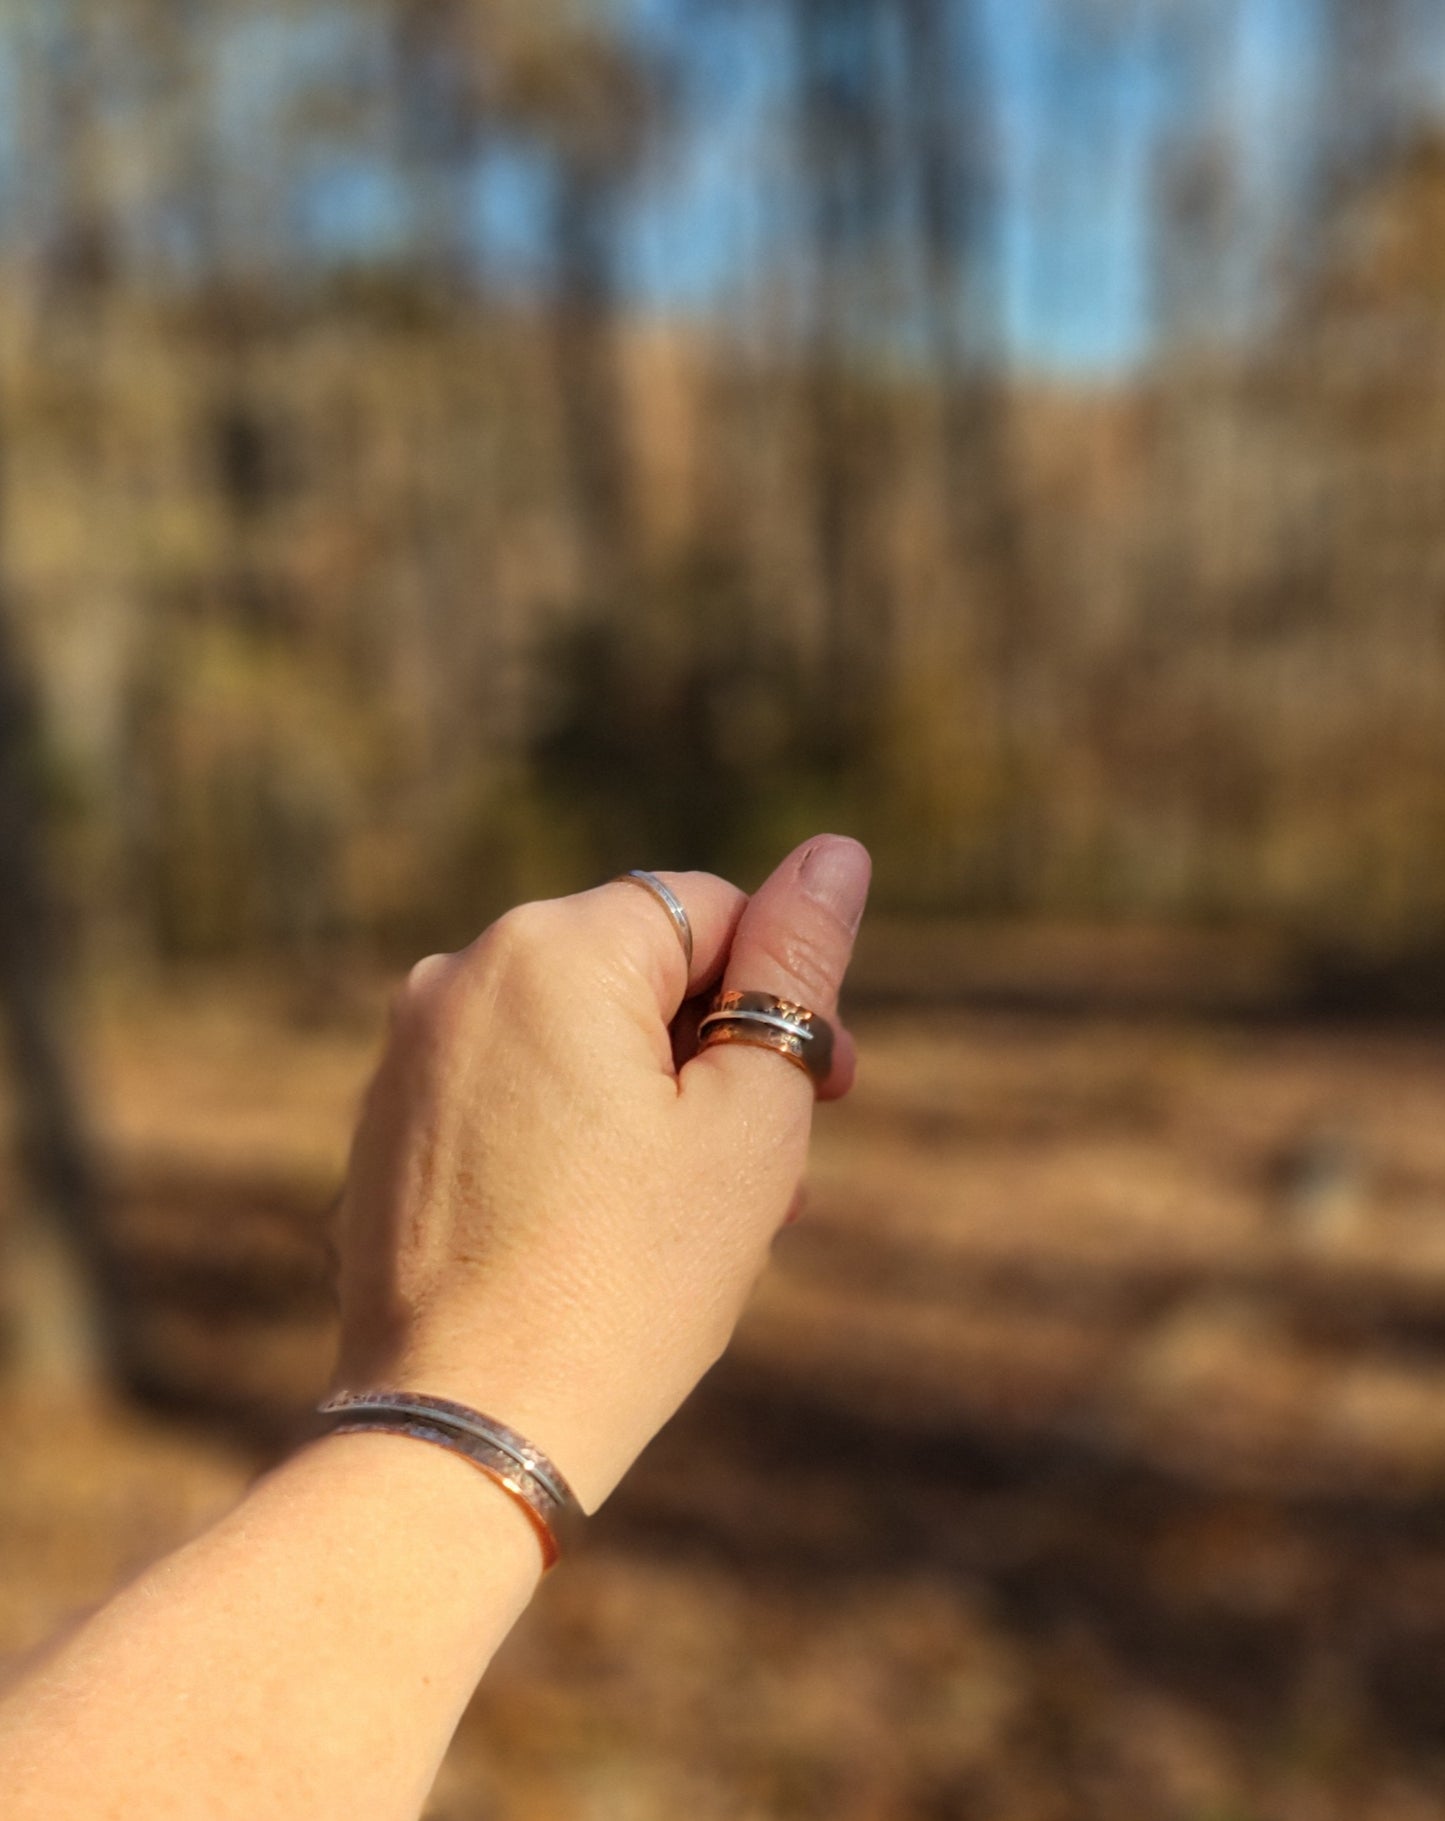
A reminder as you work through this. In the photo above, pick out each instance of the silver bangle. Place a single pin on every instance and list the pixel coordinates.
(522, 1470)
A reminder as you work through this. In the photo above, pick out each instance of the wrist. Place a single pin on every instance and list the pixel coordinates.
(420, 1498)
(582, 1426)
(529, 1477)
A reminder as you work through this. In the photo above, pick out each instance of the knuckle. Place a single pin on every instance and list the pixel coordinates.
(420, 988)
(523, 950)
(425, 975)
(519, 938)
(512, 928)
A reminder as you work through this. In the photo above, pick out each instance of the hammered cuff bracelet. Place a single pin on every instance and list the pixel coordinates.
(522, 1471)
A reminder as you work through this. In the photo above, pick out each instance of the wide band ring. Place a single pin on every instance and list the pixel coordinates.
(669, 901)
(770, 1023)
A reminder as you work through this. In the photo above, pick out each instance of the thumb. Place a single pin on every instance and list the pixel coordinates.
(794, 940)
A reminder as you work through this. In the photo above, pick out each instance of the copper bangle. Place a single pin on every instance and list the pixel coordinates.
(519, 1468)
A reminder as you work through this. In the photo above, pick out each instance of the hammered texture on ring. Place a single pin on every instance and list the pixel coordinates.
(770, 1023)
(669, 901)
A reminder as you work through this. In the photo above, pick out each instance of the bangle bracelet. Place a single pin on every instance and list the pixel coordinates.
(522, 1471)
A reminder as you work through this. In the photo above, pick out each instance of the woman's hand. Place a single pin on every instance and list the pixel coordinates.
(545, 1216)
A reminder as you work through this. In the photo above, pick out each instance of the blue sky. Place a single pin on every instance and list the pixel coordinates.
(1086, 119)
(1091, 102)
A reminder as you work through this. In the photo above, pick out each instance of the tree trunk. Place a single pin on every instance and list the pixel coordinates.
(844, 160)
(64, 1305)
(954, 137)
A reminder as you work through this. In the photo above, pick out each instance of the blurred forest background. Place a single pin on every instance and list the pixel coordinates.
(483, 444)
(453, 449)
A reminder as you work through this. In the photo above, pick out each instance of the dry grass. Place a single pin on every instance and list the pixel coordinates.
(1083, 1456)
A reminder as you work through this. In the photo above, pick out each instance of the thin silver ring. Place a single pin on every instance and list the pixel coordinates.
(790, 1025)
(768, 1021)
(670, 902)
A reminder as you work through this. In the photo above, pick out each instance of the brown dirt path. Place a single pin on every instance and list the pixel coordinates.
(1084, 1454)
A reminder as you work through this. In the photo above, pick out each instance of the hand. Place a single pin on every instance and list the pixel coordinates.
(545, 1216)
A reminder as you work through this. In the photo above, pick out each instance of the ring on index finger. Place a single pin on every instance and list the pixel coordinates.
(669, 901)
(767, 1022)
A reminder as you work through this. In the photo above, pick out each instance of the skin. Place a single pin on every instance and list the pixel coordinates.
(555, 1211)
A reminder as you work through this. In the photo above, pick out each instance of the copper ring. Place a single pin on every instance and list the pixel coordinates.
(767, 1022)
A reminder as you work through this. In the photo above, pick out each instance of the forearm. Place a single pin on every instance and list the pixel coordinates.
(309, 1656)
(546, 1214)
